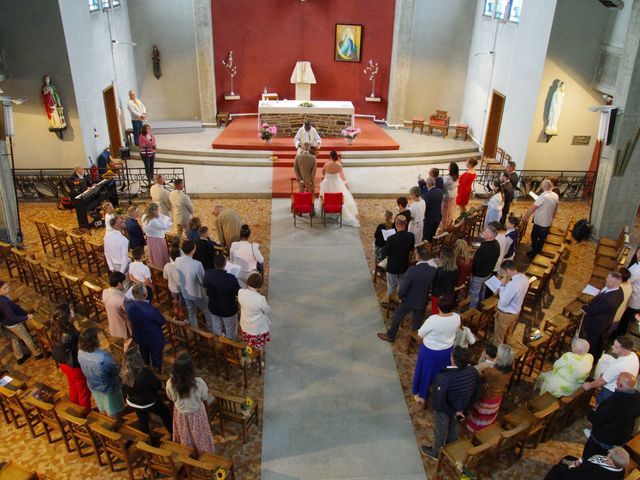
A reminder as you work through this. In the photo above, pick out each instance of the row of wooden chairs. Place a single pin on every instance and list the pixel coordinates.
(524, 427)
(121, 447)
(72, 247)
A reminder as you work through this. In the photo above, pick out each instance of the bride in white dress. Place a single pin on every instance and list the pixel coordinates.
(334, 182)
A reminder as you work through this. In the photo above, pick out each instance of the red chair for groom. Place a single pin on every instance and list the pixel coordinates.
(302, 203)
(332, 203)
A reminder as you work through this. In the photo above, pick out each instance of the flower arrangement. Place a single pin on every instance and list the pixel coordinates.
(371, 71)
(267, 132)
(231, 68)
(246, 406)
(306, 105)
(220, 474)
(118, 212)
(350, 132)
(246, 355)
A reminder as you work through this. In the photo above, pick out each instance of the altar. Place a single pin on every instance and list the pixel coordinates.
(328, 117)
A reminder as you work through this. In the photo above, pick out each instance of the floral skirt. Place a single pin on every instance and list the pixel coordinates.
(193, 430)
(484, 414)
(258, 341)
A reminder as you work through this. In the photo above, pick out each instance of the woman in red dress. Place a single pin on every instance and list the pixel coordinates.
(465, 183)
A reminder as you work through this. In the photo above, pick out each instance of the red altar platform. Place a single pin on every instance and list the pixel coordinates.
(242, 134)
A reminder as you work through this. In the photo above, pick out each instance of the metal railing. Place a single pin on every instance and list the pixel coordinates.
(49, 184)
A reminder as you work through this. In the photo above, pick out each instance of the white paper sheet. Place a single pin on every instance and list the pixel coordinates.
(591, 290)
(387, 233)
(6, 380)
(493, 284)
(533, 195)
(232, 268)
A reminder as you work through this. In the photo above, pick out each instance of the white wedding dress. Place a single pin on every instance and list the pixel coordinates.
(332, 183)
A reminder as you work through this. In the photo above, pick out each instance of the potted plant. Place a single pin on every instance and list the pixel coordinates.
(350, 133)
(267, 132)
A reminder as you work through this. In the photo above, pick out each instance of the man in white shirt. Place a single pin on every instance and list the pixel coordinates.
(544, 210)
(160, 195)
(116, 247)
(182, 207)
(626, 361)
(511, 297)
(138, 115)
(191, 274)
(307, 134)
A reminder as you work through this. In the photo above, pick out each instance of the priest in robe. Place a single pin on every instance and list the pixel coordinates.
(307, 134)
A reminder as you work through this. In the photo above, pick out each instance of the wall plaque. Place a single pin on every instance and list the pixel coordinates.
(581, 140)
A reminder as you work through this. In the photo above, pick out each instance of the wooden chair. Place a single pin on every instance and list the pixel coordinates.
(47, 238)
(73, 291)
(92, 296)
(18, 258)
(417, 123)
(163, 461)
(13, 269)
(161, 292)
(302, 205)
(49, 419)
(439, 121)
(572, 407)
(332, 204)
(230, 408)
(96, 252)
(84, 252)
(36, 274)
(67, 250)
(83, 438)
(40, 330)
(21, 414)
(207, 466)
(55, 287)
(205, 344)
(461, 454)
(538, 413)
(118, 447)
(179, 334)
(509, 439)
(233, 354)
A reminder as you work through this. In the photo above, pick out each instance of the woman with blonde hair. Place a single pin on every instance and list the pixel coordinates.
(446, 277)
(156, 226)
(109, 212)
(494, 381)
(464, 260)
(193, 232)
(418, 209)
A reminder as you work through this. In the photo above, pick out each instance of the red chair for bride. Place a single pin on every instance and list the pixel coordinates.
(302, 203)
(332, 203)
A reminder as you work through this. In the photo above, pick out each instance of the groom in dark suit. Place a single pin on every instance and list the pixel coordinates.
(414, 290)
(599, 313)
(433, 214)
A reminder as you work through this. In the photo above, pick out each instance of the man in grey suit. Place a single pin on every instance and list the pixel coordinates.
(305, 168)
(414, 290)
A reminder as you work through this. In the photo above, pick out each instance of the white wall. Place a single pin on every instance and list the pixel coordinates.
(175, 96)
(35, 48)
(442, 33)
(519, 57)
(89, 49)
(578, 30)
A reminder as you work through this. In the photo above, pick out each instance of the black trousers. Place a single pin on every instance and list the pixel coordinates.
(505, 213)
(430, 230)
(592, 448)
(538, 237)
(149, 161)
(402, 311)
(160, 409)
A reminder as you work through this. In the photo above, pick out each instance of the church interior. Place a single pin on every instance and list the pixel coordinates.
(168, 139)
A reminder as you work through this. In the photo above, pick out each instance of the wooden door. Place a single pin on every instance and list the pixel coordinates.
(113, 122)
(493, 125)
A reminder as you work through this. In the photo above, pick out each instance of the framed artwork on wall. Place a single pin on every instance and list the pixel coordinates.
(348, 43)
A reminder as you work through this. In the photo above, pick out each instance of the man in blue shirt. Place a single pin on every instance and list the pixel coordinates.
(146, 326)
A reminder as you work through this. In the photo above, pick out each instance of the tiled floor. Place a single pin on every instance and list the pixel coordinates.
(55, 462)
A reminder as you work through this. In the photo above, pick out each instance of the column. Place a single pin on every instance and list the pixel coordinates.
(204, 59)
(400, 61)
(617, 192)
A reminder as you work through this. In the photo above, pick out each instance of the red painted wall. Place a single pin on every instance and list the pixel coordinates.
(267, 37)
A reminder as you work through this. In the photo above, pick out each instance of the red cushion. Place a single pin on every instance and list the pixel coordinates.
(332, 208)
(303, 202)
(303, 208)
(333, 198)
(435, 121)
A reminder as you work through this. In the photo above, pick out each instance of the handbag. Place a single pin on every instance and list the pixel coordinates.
(259, 266)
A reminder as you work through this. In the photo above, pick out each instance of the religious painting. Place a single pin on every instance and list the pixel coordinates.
(348, 43)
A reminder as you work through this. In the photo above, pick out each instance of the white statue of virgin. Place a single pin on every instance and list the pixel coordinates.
(557, 104)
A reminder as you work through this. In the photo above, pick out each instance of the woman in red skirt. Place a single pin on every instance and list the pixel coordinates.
(254, 314)
(64, 339)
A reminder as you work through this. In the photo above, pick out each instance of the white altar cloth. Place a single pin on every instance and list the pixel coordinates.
(293, 106)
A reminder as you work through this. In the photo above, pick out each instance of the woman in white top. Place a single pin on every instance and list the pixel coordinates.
(438, 334)
(254, 313)
(245, 254)
(109, 213)
(155, 226)
(495, 204)
(418, 208)
(450, 193)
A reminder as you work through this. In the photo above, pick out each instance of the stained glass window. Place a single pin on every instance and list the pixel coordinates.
(516, 8)
(489, 7)
(502, 9)
(94, 5)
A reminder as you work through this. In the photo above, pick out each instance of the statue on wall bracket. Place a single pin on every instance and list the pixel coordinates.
(155, 57)
(555, 110)
(53, 107)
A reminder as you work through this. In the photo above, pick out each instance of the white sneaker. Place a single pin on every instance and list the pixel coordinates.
(587, 432)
